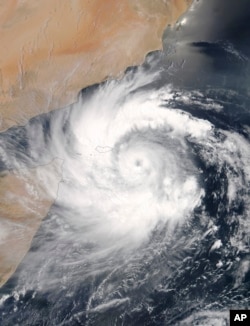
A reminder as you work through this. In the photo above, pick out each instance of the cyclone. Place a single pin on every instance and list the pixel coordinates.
(152, 189)
(135, 167)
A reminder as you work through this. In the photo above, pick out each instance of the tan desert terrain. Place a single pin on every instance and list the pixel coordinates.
(50, 49)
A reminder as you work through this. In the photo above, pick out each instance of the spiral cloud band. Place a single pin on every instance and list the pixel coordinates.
(143, 175)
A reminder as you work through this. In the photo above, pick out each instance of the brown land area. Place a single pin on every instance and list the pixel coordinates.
(50, 49)
(26, 196)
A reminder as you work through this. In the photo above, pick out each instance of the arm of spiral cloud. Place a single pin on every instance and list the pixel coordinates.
(128, 163)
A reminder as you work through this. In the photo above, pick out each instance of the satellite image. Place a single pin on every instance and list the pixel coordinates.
(124, 162)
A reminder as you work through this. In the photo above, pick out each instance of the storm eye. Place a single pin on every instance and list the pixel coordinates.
(138, 163)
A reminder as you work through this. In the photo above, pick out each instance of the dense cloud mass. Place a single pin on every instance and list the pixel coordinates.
(151, 190)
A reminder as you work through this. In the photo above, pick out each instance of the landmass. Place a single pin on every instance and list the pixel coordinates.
(26, 197)
(53, 49)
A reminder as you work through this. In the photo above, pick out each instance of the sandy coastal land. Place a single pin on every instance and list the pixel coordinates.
(51, 50)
